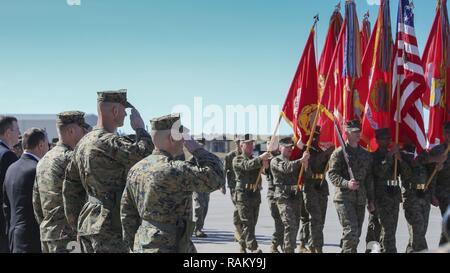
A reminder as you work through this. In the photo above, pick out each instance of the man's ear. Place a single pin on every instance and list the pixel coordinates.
(171, 139)
(71, 131)
(115, 110)
(41, 144)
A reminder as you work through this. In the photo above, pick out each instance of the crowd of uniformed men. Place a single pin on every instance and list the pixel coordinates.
(111, 193)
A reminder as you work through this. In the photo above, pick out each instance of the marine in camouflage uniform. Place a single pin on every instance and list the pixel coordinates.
(156, 206)
(304, 231)
(277, 236)
(98, 169)
(387, 190)
(201, 204)
(231, 181)
(315, 191)
(417, 197)
(248, 194)
(350, 197)
(443, 178)
(48, 207)
(287, 193)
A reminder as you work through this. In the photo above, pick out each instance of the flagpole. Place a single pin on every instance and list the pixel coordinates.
(436, 169)
(270, 144)
(316, 119)
(397, 123)
(308, 146)
(398, 115)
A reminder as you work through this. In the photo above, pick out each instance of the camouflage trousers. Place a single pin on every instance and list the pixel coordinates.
(4, 248)
(201, 203)
(304, 232)
(57, 246)
(351, 216)
(316, 206)
(236, 219)
(277, 236)
(373, 228)
(388, 210)
(247, 204)
(417, 213)
(289, 208)
(444, 203)
(103, 243)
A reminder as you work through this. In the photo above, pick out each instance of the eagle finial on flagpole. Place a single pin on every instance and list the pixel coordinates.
(367, 15)
(316, 19)
(337, 7)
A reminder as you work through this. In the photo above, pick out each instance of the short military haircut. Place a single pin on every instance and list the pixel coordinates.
(6, 122)
(32, 137)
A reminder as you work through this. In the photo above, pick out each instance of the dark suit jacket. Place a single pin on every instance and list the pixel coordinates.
(7, 157)
(23, 230)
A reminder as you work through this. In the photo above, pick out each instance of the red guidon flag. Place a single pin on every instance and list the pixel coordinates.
(365, 32)
(378, 62)
(436, 61)
(341, 98)
(326, 59)
(301, 103)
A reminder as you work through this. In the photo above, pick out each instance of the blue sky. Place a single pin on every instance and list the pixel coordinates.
(55, 57)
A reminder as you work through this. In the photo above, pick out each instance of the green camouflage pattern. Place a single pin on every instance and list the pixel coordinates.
(47, 195)
(99, 168)
(156, 206)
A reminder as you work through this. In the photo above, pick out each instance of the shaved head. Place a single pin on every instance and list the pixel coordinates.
(111, 114)
(163, 140)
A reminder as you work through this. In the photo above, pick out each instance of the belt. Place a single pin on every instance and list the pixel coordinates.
(318, 176)
(417, 187)
(392, 183)
(251, 186)
(288, 187)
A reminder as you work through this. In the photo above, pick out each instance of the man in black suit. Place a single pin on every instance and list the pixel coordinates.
(9, 137)
(23, 230)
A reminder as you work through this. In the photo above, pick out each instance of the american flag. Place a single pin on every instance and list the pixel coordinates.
(409, 76)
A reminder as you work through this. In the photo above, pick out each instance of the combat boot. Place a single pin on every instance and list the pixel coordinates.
(274, 249)
(243, 249)
(237, 233)
(200, 234)
(303, 249)
(319, 250)
(257, 251)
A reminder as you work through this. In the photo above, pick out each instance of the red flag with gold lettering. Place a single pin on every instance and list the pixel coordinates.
(301, 104)
(378, 62)
(341, 99)
(326, 60)
(436, 62)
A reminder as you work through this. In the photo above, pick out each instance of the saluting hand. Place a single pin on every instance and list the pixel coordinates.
(136, 120)
(192, 145)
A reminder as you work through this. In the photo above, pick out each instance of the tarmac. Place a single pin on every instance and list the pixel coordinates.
(220, 230)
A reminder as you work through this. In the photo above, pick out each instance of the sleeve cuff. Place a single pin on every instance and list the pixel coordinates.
(141, 133)
(345, 184)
